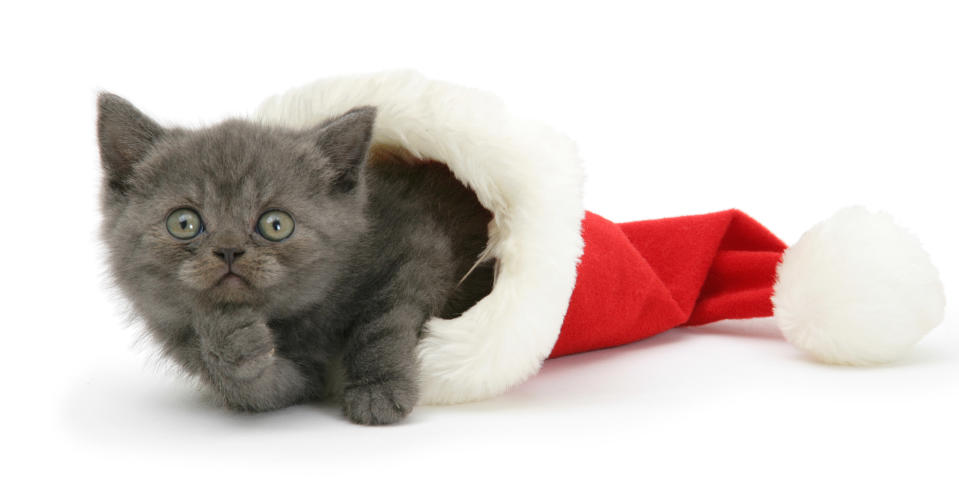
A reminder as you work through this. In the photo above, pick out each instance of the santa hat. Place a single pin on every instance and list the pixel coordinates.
(855, 289)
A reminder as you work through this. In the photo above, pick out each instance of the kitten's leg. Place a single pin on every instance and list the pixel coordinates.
(242, 365)
(381, 369)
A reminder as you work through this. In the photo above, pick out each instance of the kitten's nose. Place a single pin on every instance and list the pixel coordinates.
(228, 254)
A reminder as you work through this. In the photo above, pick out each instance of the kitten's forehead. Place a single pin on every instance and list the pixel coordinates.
(234, 165)
(236, 151)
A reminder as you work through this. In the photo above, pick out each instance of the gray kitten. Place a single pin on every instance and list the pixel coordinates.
(259, 257)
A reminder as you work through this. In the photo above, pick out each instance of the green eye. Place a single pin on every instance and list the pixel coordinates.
(275, 225)
(184, 223)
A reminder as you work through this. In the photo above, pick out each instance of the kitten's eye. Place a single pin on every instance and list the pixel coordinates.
(184, 223)
(275, 225)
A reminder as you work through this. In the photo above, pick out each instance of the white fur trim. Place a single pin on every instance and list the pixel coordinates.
(530, 178)
(857, 289)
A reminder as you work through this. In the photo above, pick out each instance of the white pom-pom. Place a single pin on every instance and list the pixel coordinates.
(857, 289)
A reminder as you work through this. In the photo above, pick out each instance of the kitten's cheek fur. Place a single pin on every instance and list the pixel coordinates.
(262, 272)
(197, 275)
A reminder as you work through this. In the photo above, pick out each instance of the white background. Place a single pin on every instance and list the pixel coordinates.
(787, 110)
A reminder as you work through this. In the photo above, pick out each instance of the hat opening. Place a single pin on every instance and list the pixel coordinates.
(458, 211)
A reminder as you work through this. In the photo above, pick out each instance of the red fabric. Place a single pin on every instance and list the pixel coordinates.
(638, 279)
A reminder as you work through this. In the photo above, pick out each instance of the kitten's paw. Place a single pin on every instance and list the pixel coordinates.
(380, 403)
(242, 354)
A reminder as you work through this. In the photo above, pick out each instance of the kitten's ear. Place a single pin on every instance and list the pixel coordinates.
(345, 140)
(125, 135)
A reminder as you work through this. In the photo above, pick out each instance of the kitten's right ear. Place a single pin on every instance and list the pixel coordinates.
(125, 135)
(345, 140)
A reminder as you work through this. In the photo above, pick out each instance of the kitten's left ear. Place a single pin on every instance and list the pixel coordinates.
(345, 140)
(125, 135)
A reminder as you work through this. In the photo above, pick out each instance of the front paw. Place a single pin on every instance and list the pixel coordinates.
(243, 353)
(380, 403)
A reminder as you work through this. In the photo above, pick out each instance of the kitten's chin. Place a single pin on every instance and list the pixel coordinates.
(232, 281)
(232, 295)
(232, 288)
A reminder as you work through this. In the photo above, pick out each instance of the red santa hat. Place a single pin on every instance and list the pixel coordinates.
(855, 289)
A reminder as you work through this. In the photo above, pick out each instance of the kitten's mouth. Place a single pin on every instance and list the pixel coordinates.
(232, 280)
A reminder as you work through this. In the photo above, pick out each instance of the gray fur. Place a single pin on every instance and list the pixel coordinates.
(376, 252)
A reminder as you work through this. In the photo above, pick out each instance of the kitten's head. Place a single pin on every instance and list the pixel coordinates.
(237, 213)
